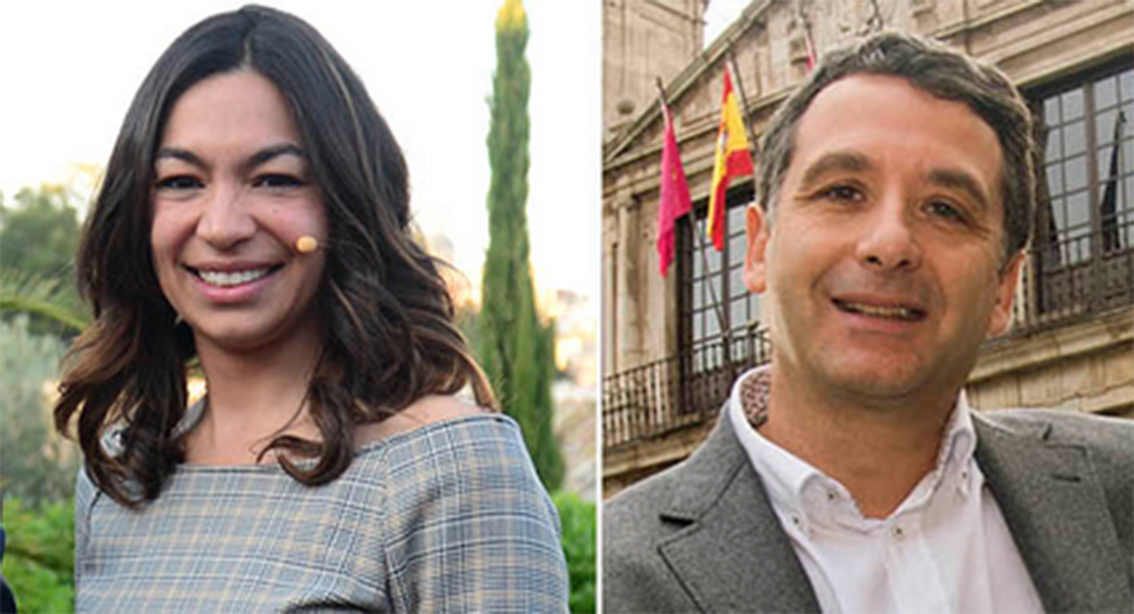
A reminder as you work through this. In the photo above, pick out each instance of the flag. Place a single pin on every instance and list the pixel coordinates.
(1108, 207)
(674, 201)
(732, 160)
(810, 46)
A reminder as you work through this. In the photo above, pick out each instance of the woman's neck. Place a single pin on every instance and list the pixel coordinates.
(253, 396)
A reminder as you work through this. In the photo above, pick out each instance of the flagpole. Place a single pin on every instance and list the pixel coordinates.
(701, 245)
(744, 107)
(755, 144)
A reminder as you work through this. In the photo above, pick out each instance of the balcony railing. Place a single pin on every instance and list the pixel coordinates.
(676, 392)
(1078, 276)
(1066, 280)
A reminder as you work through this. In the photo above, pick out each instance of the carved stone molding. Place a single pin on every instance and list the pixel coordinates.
(922, 7)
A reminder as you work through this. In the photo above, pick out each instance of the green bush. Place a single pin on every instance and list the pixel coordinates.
(39, 559)
(577, 517)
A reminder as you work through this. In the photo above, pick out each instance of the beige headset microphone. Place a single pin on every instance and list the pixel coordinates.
(306, 244)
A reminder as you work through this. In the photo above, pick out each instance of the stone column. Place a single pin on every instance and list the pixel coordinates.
(629, 333)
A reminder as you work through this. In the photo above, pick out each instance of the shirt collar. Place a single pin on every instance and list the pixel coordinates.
(797, 489)
(784, 475)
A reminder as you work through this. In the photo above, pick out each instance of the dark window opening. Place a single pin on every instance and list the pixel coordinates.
(1083, 247)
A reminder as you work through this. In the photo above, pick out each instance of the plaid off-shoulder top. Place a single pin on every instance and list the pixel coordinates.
(449, 517)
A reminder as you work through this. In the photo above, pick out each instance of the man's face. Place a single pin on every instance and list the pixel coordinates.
(883, 268)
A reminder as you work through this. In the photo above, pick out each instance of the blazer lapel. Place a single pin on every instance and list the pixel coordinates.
(732, 555)
(1057, 513)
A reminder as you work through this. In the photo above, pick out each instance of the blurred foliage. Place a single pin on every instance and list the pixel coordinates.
(39, 235)
(49, 302)
(39, 559)
(464, 317)
(577, 519)
(40, 231)
(38, 466)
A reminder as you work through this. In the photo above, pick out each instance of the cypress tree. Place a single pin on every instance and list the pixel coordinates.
(516, 351)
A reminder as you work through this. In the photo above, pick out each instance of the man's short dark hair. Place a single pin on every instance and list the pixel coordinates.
(941, 72)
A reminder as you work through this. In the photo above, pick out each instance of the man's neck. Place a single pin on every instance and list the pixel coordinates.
(879, 453)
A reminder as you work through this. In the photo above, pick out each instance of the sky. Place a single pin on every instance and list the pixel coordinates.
(718, 16)
(68, 71)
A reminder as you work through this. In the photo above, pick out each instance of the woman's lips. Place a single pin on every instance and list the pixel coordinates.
(234, 285)
(225, 279)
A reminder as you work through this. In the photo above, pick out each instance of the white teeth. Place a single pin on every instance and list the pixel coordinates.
(882, 312)
(225, 280)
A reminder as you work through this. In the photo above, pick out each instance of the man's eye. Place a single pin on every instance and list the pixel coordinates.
(179, 182)
(843, 193)
(277, 181)
(945, 210)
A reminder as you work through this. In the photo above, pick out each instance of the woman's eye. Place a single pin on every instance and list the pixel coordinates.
(179, 182)
(277, 181)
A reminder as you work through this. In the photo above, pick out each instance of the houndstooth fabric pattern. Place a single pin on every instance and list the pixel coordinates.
(450, 517)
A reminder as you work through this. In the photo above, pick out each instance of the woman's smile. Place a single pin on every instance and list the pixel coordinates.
(234, 286)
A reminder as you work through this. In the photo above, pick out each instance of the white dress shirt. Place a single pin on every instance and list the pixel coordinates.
(946, 548)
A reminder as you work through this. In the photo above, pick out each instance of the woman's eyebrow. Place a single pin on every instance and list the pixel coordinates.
(178, 153)
(254, 160)
(274, 151)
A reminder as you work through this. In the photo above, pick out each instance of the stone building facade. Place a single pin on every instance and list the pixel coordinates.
(671, 346)
(643, 40)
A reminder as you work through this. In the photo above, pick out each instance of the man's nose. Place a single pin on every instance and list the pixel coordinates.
(225, 220)
(888, 242)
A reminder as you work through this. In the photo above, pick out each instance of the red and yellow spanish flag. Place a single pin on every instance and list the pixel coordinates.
(733, 159)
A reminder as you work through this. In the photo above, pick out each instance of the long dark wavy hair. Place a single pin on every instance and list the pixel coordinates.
(390, 337)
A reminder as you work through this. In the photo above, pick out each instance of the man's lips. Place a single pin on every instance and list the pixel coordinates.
(880, 307)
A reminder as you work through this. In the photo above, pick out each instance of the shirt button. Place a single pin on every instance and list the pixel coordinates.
(897, 532)
(832, 496)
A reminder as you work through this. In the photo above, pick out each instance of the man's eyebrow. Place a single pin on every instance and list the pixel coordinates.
(836, 161)
(960, 180)
(256, 159)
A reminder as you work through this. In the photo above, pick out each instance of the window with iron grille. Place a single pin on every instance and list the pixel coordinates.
(720, 317)
(1084, 239)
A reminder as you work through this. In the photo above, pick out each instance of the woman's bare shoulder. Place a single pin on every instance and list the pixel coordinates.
(424, 411)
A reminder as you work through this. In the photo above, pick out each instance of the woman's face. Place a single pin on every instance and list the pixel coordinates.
(232, 193)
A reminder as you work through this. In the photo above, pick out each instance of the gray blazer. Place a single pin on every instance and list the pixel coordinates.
(702, 536)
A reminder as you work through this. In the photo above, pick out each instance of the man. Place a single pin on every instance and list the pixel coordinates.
(850, 475)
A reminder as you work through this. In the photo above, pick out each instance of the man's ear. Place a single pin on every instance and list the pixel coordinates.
(755, 258)
(1005, 294)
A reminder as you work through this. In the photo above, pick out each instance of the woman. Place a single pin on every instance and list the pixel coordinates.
(254, 222)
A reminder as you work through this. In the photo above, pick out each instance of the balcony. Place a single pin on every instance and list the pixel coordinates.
(677, 392)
